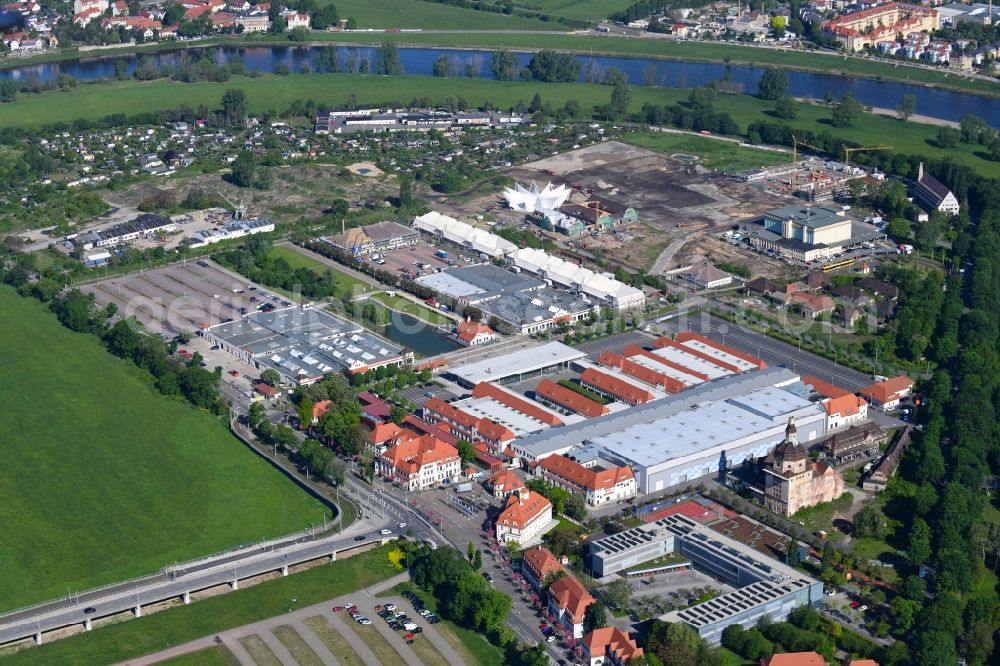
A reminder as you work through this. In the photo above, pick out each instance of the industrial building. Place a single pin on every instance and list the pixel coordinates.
(411, 120)
(374, 238)
(702, 430)
(234, 229)
(807, 233)
(304, 343)
(472, 238)
(143, 226)
(527, 305)
(764, 586)
(604, 289)
(517, 366)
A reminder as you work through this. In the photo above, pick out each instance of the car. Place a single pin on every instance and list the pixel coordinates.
(408, 636)
(488, 576)
(349, 606)
(89, 609)
(401, 526)
(855, 604)
(360, 537)
(395, 626)
(423, 612)
(390, 607)
(831, 592)
(337, 609)
(862, 608)
(433, 619)
(418, 630)
(385, 532)
(364, 621)
(550, 639)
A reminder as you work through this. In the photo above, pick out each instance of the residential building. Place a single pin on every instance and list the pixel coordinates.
(467, 426)
(598, 485)
(524, 518)
(793, 482)
(793, 659)
(858, 441)
(933, 194)
(296, 20)
(868, 27)
(609, 646)
(254, 21)
(505, 483)
(568, 602)
(472, 333)
(538, 565)
(843, 408)
(705, 276)
(887, 394)
(420, 463)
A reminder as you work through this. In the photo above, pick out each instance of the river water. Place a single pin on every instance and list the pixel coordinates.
(937, 103)
(424, 339)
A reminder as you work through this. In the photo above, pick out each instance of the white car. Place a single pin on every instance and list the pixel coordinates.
(401, 525)
(551, 639)
(862, 608)
(384, 532)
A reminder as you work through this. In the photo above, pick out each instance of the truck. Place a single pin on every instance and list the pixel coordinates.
(442, 254)
(463, 488)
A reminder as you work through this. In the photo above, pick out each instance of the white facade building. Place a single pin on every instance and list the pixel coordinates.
(466, 235)
(605, 289)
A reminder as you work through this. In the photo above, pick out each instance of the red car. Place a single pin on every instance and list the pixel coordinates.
(855, 604)
(337, 609)
(408, 637)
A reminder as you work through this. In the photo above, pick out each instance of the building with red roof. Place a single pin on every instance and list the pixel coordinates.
(418, 463)
(843, 408)
(609, 645)
(598, 485)
(473, 334)
(612, 387)
(658, 380)
(538, 564)
(560, 396)
(793, 659)
(887, 394)
(568, 602)
(422, 427)
(467, 426)
(524, 518)
(266, 390)
(505, 482)
(516, 402)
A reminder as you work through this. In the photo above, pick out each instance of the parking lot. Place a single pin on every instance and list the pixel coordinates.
(181, 298)
(410, 260)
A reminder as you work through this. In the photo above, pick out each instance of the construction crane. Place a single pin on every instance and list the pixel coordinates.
(795, 160)
(848, 151)
(239, 210)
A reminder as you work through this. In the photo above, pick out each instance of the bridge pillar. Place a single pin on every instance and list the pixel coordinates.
(235, 584)
(137, 610)
(86, 625)
(284, 570)
(38, 638)
(333, 556)
(187, 598)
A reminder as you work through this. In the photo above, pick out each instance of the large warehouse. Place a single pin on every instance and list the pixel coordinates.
(702, 430)
(526, 304)
(303, 344)
(517, 366)
(765, 586)
(606, 290)
(466, 235)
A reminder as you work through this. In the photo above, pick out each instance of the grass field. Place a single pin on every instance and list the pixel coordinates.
(103, 480)
(297, 646)
(275, 92)
(126, 640)
(409, 307)
(259, 651)
(214, 656)
(347, 284)
(584, 10)
(423, 14)
(385, 653)
(721, 155)
(346, 655)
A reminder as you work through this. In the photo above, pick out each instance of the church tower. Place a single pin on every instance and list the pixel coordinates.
(789, 456)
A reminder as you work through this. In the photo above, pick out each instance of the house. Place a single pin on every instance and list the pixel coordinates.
(598, 485)
(320, 408)
(297, 20)
(619, 213)
(266, 390)
(878, 480)
(842, 407)
(793, 659)
(254, 21)
(792, 482)
(879, 288)
(419, 463)
(472, 333)
(855, 442)
(568, 602)
(609, 646)
(539, 564)
(930, 192)
(707, 276)
(812, 305)
(505, 483)
(523, 518)
(887, 394)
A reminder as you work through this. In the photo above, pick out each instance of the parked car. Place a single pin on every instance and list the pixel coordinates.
(385, 532)
(360, 537)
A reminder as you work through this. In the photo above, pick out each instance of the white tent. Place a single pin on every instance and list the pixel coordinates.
(531, 199)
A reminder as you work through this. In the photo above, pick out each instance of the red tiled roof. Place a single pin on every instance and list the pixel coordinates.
(494, 431)
(825, 389)
(451, 412)
(321, 408)
(385, 432)
(506, 481)
(266, 390)
(584, 477)
(468, 330)
(684, 336)
(600, 641)
(635, 350)
(794, 659)
(570, 595)
(411, 455)
(845, 405)
(641, 372)
(425, 428)
(664, 341)
(616, 387)
(515, 402)
(571, 400)
(541, 562)
(520, 511)
(888, 389)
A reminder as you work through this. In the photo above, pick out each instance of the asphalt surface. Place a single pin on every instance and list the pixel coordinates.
(771, 351)
(615, 343)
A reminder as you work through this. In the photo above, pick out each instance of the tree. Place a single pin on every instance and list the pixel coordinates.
(847, 112)
(234, 106)
(8, 91)
(553, 67)
(787, 108)
(913, 588)
(935, 648)
(918, 549)
(505, 66)
(868, 522)
(387, 60)
(618, 594)
(304, 410)
(270, 377)
(466, 451)
(576, 506)
(442, 66)
(904, 614)
(256, 415)
(621, 97)
(773, 84)
(595, 616)
(676, 644)
(471, 550)
(477, 560)
(907, 106)
(244, 169)
(947, 137)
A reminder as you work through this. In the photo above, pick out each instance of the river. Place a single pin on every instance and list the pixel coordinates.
(424, 339)
(933, 102)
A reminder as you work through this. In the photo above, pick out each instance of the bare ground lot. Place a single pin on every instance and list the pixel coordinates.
(179, 298)
(666, 193)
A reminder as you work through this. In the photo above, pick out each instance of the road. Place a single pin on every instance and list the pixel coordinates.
(773, 352)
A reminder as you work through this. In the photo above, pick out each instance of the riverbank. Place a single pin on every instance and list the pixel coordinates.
(658, 48)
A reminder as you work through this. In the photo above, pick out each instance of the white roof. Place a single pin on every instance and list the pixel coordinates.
(464, 234)
(531, 199)
(571, 275)
(519, 362)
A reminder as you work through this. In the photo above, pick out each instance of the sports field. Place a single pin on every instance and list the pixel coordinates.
(103, 480)
(711, 153)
